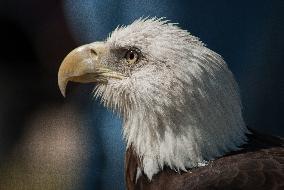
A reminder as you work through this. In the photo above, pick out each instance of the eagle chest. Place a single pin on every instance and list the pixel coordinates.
(259, 169)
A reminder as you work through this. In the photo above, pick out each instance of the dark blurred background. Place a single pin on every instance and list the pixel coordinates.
(47, 142)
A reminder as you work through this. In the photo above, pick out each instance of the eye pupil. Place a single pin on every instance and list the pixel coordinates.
(131, 55)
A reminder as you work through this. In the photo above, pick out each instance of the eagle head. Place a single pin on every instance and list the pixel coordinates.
(179, 101)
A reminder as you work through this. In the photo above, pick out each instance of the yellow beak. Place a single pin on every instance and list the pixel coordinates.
(83, 65)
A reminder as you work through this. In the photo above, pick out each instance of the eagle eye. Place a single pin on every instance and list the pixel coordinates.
(131, 56)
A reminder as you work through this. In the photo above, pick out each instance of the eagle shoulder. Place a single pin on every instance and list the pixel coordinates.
(259, 165)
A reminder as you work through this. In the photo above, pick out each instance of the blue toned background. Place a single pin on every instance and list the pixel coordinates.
(248, 34)
(35, 38)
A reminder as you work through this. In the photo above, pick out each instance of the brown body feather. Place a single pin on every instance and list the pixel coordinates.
(259, 165)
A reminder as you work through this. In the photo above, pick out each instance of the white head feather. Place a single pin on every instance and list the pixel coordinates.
(180, 104)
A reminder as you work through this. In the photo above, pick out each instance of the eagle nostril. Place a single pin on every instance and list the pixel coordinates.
(93, 52)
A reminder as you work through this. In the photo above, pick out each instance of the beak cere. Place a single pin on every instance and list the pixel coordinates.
(83, 65)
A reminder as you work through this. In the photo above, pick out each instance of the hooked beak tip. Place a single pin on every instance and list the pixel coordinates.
(62, 86)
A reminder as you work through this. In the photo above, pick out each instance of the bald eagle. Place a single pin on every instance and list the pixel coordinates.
(181, 110)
